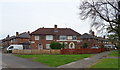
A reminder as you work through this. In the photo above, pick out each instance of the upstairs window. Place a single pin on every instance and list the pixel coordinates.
(74, 37)
(62, 37)
(36, 37)
(49, 37)
(69, 37)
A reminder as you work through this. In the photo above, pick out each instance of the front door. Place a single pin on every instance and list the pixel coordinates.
(40, 46)
(71, 45)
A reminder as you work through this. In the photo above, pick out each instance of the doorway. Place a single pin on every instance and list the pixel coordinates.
(40, 46)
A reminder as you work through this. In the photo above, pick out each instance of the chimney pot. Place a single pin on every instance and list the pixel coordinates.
(55, 26)
(8, 36)
(28, 32)
(17, 33)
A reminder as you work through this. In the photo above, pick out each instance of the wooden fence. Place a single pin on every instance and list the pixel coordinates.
(82, 51)
(63, 51)
(36, 51)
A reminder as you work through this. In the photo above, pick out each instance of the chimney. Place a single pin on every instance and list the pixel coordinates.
(104, 36)
(55, 26)
(17, 33)
(93, 33)
(8, 36)
(28, 32)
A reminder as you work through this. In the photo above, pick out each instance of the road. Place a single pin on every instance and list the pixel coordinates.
(11, 61)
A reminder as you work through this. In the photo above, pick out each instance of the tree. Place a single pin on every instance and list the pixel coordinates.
(56, 45)
(104, 14)
(113, 38)
(85, 45)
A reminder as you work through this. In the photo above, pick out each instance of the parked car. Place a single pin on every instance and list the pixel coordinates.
(14, 47)
(95, 47)
(110, 46)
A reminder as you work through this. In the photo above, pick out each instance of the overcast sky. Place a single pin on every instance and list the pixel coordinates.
(29, 15)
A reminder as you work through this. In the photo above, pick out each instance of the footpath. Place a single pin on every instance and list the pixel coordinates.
(86, 62)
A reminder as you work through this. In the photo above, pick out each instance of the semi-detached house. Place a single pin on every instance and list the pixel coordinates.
(42, 37)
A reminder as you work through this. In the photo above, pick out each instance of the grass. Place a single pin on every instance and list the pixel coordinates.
(55, 60)
(106, 63)
(114, 53)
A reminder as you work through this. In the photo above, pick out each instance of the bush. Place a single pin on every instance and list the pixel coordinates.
(56, 45)
(85, 45)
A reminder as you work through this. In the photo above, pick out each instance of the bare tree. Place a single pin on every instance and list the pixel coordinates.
(104, 14)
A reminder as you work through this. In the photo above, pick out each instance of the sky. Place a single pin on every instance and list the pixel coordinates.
(29, 15)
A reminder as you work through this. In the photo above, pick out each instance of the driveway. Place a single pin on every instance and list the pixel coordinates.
(11, 61)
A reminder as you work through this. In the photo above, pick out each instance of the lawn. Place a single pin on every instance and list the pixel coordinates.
(114, 53)
(106, 63)
(55, 60)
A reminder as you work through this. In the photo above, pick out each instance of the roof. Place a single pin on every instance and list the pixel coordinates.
(87, 36)
(23, 35)
(53, 31)
(101, 39)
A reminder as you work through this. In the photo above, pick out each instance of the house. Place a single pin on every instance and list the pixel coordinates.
(0, 43)
(92, 40)
(22, 38)
(42, 37)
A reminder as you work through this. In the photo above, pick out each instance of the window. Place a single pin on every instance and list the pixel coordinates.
(36, 37)
(62, 37)
(11, 47)
(11, 41)
(14, 40)
(69, 37)
(49, 37)
(74, 37)
(47, 46)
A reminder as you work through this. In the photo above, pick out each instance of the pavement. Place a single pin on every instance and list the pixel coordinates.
(11, 61)
(86, 62)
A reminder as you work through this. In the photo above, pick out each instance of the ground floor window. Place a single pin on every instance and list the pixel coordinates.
(47, 46)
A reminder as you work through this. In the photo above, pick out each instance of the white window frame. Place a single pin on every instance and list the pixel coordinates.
(69, 37)
(76, 37)
(62, 37)
(49, 37)
(48, 46)
(37, 37)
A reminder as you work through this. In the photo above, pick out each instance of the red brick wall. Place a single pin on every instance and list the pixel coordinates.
(43, 41)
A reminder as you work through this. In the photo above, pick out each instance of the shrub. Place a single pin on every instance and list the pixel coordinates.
(56, 45)
(85, 45)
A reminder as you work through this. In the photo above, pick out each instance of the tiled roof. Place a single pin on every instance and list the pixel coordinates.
(52, 31)
(87, 36)
(23, 35)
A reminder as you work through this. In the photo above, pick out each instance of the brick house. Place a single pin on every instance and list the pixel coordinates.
(42, 37)
(92, 40)
(22, 38)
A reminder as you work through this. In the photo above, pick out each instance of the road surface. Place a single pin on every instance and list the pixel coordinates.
(11, 61)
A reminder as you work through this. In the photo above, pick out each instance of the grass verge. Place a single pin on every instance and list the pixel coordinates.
(55, 60)
(106, 63)
(114, 53)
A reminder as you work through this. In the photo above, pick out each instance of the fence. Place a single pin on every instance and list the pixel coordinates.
(36, 51)
(63, 51)
(82, 51)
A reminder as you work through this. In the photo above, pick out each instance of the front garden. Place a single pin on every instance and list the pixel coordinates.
(55, 60)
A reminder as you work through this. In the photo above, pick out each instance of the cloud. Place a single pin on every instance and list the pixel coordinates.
(26, 1)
